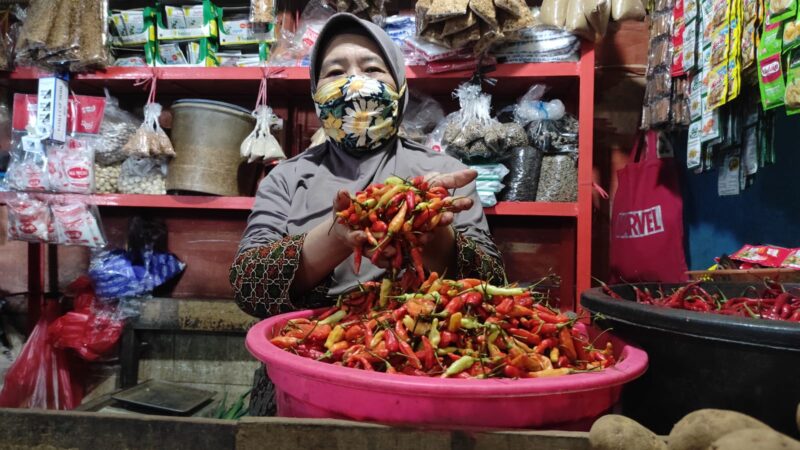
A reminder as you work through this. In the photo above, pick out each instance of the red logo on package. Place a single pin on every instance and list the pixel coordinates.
(74, 234)
(27, 228)
(771, 68)
(78, 172)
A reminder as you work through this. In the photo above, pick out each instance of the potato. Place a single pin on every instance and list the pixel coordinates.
(613, 432)
(697, 430)
(752, 438)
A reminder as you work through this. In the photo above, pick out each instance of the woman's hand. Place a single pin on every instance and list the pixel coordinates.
(350, 238)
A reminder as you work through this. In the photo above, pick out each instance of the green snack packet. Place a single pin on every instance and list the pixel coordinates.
(780, 10)
(792, 95)
(791, 34)
(770, 73)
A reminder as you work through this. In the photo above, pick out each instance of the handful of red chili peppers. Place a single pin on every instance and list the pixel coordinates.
(445, 328)
(394, 213)
(774, 302)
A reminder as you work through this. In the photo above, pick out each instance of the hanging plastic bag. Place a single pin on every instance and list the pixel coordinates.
(94, 327)
(40, 377)
(262, 11)
(422, 114)
(627, 10)
(143, 176)
(293, 47)
(71, 166)
(473, 135)
(27, 168)
(29, 219)
(77, 223)
(150, 139)
(116, 129)
(554, 12)
(260, 143)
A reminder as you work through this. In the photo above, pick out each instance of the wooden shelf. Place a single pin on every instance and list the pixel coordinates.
(246, 204)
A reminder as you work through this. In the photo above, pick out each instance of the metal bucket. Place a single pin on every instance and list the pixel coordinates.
(207, 135)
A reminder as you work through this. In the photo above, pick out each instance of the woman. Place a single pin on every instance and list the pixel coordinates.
(293, 254)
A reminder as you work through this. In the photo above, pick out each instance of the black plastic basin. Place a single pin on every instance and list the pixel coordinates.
(700, 360)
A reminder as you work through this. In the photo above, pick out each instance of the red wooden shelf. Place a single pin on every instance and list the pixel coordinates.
(568, 69)
(533, 209)
(246, 204)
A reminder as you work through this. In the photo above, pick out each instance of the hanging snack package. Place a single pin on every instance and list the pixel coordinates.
(29, 219)
(77, 223)
(71, 166)
(27, 169)
(791, 34)
(554, 12)
(780, 10)
(117, 127)
(792, 96)
(627, 10)
(149, 139)
(143, 176)
(260, 143)
(770, 73)
(262, 11)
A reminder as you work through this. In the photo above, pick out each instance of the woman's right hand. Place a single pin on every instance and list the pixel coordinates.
(347, 236)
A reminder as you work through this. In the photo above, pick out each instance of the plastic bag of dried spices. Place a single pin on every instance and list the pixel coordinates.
(485, 10)
(473, 135)
(576, 22)
(554, 12)
(149, 139)
(597, 13)
(93, 53)
(441, 10)
(627, 10)
(558, 181)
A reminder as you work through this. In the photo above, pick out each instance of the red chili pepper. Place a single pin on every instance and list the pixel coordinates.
(391, 341)
(455, 305)
(420, 220)
(446, 338)
(473, 298)
(398, 256)
(416, 257)
(511, 371)
(566, 344)
(412, 357)
(545, 344)
(399, 313)
(795, 317)
(400, 330)
(562, 361)
(505, 306)
(328, 312)
(527, 336)
(429, 359)
(410, 199)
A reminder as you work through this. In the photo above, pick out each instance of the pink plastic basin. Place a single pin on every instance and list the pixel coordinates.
(313, 389)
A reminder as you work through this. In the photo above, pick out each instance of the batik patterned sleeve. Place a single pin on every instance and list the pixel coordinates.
(479, 259)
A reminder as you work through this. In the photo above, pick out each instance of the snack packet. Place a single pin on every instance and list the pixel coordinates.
(77, 223)
(780, 10)
(792, 260)
(763, 255)
(770, 72)
(29, 219)
(792, 95)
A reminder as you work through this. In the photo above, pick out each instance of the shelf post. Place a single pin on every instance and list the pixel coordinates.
(583, 264)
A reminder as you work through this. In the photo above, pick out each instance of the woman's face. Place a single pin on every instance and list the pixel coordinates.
(353, 54)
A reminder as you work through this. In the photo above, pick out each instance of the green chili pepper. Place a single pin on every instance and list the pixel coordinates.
(446, 351)
(386, 288)
(433, 335)
(469, 323)
(336, 335)
(393, 180)
(334, 318)
(488, 289)
(462, 364)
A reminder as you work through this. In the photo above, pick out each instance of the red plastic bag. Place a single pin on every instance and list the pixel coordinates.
(92, 329)
(647, 219)
(40, 377)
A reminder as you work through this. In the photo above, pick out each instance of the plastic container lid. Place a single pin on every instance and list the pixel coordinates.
(202, 101)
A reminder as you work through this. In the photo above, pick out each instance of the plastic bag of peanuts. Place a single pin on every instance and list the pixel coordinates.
(143, 176)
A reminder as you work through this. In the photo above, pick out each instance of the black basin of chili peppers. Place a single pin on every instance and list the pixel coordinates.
(703, 360)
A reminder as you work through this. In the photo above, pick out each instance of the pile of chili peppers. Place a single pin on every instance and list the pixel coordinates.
(773, 303)
(445, 328)
(393, 213)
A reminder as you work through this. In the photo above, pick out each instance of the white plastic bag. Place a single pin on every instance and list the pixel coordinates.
(29, 219)
(77, 223)
(260, 143)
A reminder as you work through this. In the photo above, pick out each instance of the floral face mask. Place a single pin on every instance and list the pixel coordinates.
(358, 113)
